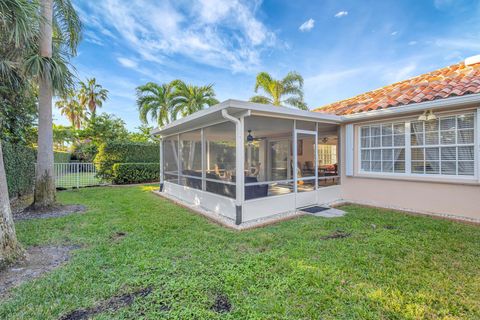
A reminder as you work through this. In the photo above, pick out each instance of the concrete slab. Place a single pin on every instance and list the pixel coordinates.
(330, 213)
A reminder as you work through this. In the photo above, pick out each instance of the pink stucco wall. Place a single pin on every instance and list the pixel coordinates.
(424, 195)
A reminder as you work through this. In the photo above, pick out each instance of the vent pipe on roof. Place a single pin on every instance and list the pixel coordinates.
(472, 60)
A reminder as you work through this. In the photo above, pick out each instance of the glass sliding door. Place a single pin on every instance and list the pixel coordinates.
(306, 172)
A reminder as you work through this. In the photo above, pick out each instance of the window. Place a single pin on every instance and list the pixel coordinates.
(327, 154)
(444, 146)
(383, 148)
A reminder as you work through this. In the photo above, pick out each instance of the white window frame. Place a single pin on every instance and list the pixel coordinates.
(408, 148)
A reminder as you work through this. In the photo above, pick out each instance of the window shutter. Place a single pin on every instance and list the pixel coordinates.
(349, 151)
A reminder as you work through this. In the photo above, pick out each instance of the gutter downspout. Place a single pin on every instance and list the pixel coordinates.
(239, 159)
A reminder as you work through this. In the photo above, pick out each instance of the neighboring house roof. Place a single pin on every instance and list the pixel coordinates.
(455, 80)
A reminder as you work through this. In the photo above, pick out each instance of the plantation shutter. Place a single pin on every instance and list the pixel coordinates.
(349, 151)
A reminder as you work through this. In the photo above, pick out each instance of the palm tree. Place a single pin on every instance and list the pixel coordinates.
(71, 108)
(156, 101)
(92, 95)
(59, 35)
(190, 99)
(289, 90)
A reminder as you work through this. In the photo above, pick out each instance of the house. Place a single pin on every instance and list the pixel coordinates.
(412, 145)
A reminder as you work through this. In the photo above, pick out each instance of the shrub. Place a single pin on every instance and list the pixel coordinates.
(61, 156)
(124, 152)
(125, 173)
(20, 168)
(84, 151)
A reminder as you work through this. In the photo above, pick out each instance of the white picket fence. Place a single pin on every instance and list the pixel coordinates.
(76, 175)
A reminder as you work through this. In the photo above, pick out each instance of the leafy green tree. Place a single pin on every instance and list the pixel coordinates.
(71, 108)
(92, 95)
(18, 114)
(142, 134)
(156, 102)
(288, 91)
(16, 37)
(63, 136)
(190, 99)
(104, 127)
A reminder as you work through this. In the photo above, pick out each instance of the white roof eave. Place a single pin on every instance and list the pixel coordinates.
(238, 106)
(271, 110)
(459, 101)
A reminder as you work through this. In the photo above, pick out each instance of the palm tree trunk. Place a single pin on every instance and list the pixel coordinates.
(45, 184)
(10, 248)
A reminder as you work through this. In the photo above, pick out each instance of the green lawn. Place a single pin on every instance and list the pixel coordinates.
(393, 266)
(72, 180)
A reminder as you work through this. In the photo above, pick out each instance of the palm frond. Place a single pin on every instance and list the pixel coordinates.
(55, 70)
(297, 103)
(293, 78)
(263, 81)
(261, 99)
(67, 24)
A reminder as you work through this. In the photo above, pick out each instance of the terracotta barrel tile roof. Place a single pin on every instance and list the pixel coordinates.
(455, 80)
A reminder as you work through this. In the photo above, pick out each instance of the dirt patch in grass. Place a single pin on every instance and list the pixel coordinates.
(38, 261)
(51, 212)
(389, 227)
(110, 305)
(221, 304)
(117, 236)
(339, 234)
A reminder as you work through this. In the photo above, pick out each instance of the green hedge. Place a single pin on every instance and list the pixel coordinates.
(125, 173)
(61, 157)
(124, 152)
(20, 168)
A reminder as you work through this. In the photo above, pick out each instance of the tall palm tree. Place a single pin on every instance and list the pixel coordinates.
(71, 108)
(190, 99)
(59, 36)
(92, 95)
(288, 91)
(156, 101)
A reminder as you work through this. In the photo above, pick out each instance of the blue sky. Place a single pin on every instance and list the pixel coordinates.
(341, 48)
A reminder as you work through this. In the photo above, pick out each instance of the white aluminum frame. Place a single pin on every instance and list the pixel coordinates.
(307, 198)
(408, 148)
(271, 202)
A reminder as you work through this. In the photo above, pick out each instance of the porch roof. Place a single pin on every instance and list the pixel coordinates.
(237, 108)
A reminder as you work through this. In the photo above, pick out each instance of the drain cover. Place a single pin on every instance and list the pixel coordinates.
(315, 209)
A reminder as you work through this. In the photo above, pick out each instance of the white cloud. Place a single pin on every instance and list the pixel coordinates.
(394, 33)
(223, 34)
(307, 25)
(412, 43)
(443, 4)
(128, 63)
(341, 14)
(456, 43)
(391, 75)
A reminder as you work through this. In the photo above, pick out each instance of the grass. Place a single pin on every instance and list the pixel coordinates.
(392, 266)
(72, 180)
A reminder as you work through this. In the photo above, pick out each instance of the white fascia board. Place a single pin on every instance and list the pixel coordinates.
(259, 108)
(415, 107)
(255, 107)
(196, 115)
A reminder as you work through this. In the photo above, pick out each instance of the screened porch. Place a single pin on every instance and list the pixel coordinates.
(243, 159)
